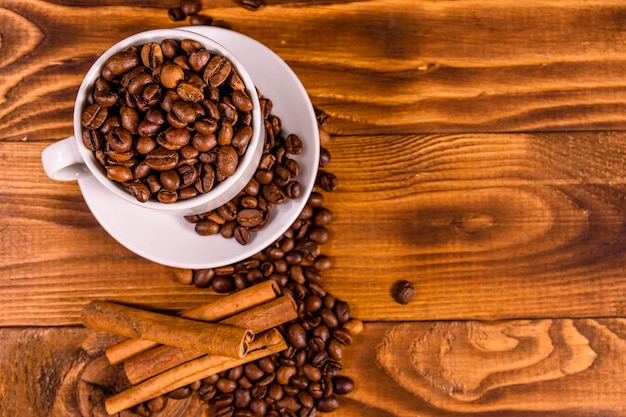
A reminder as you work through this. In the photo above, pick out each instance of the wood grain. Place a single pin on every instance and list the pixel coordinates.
(541, 367)
(424, 66)
(485, 226)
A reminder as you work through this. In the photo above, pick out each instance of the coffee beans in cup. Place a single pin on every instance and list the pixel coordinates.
(168, 120)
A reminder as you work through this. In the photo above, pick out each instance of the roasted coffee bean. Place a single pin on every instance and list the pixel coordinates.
(258, 407)
(242, 398)
(119, 139)
(343, 385)
(176, 14)
(198, 60)
(141, 410)
(312, 373)
(227, 160)
(274, 194)
(253, 372)
(275, 392)
(200, 20)
(290, 403)
(343, 336)
(266, 380)
(153, 183)
(226, 385)
(180, 393)
(293, 189)
(301, 382)
(225, 134)
(249, 217)
(241, 235)
(202, 277)
(266, 364)
(327, 404)
(140, 191)
(327, 180)
(222, 400)
(242, 101)
(162, 159)
(119, 173)
(284, 373)
(403, 292)
(190, 92)
(148, 129)
(264, 176)
(206, 179)
(206, 126)
(207, 228)
(129, 119)
(171, 75)
(293, 144)
(324, 157)
(335, 350)
(319, 359)
(139, 83)
(184, 111)
(105, 98)
(122, 62)
(92, 139)
(145, 144)
(258, 391)
(94, 116)
(174, 139)
(296, 336)
(151, 55)
(167, 196)
(190, 7)
(332, 368)
(328, 317)
(170, 179)
(228, 112)
(316, 390)
(223, 284)
(217, 71)
(242, 137)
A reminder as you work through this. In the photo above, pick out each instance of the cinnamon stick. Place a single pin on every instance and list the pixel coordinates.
(265, 344)
(217, 310)
(258, 319)
(209, 338)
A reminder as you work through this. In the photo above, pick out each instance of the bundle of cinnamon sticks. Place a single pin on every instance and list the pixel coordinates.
(163, 353)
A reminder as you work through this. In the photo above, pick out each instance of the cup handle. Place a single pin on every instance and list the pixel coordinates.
(62, 162)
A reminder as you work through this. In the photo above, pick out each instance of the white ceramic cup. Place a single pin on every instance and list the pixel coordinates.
(68, 159)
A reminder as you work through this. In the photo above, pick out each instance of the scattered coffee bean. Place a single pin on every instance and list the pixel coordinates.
(403, 292)
(250, 4)
(176, 14)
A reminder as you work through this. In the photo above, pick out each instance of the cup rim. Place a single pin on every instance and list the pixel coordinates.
(223, 192)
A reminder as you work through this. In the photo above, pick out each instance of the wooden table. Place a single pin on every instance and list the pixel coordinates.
(480, 150)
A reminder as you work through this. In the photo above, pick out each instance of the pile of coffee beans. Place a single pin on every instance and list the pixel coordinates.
(274, 182)
(307, 377)
(169, 120)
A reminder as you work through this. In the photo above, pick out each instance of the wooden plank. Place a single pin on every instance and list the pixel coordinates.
(486, 226)
(416, 66)
(511, 368)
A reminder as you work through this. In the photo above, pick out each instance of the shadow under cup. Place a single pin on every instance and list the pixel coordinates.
(223, 191)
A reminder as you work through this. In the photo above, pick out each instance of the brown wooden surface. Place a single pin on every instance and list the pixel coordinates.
(480, 148)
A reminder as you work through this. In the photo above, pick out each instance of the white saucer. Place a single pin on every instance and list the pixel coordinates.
(171, 240)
